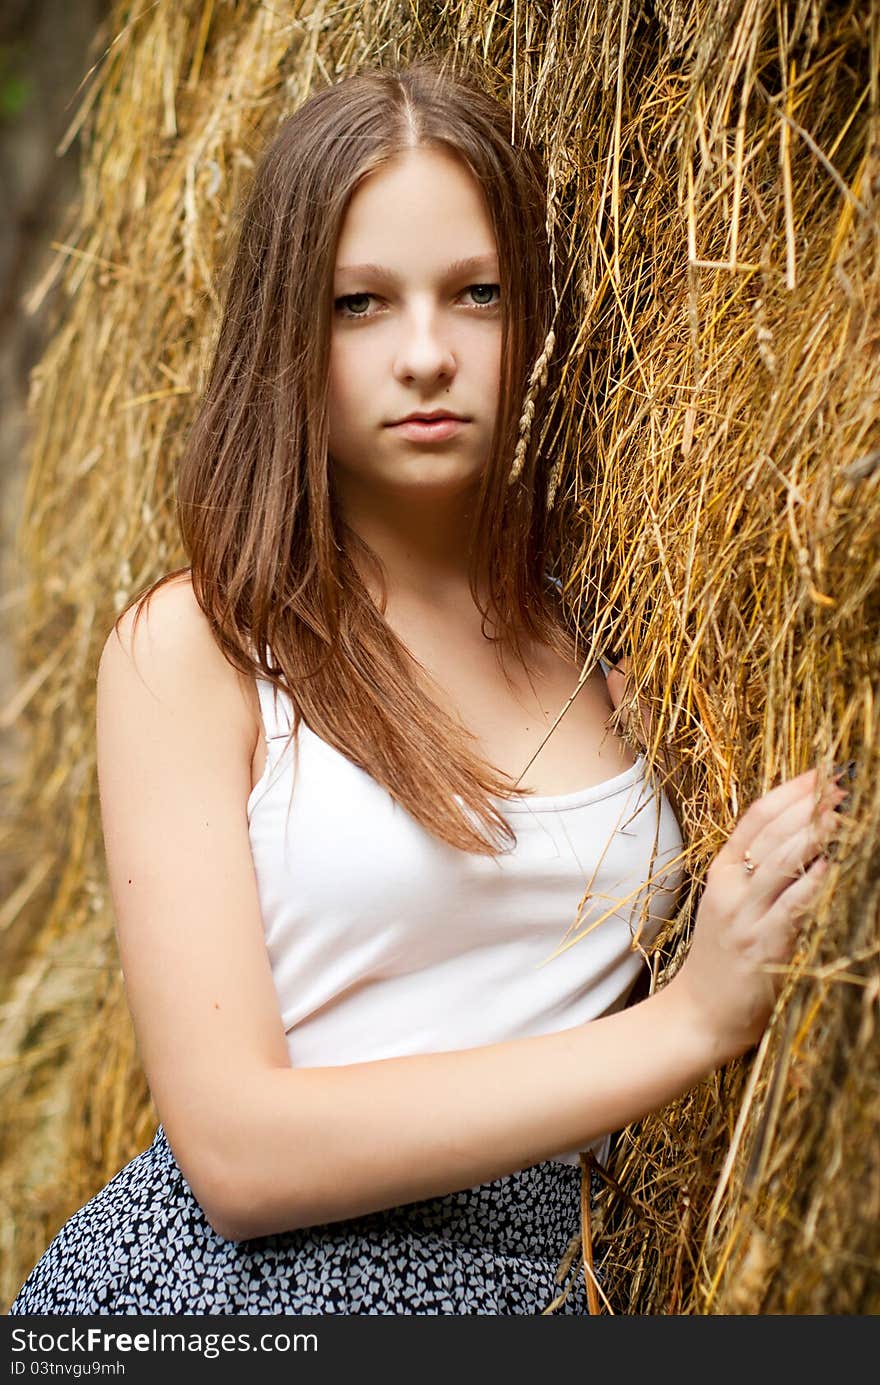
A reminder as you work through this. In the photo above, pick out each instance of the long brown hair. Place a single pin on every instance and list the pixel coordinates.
(271, 558)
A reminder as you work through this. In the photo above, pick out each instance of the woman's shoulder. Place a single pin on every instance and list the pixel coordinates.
(165, 639)
(165, 624)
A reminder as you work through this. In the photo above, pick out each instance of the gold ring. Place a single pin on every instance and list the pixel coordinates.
(748, 863)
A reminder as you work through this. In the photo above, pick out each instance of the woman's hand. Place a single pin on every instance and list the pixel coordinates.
(759, 887)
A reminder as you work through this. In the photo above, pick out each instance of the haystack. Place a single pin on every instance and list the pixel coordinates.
(713, 193)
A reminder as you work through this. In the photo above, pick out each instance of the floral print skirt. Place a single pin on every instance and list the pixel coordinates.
(142, 1245)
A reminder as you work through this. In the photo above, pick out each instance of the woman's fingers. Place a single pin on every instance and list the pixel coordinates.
(759, 887)
(763, 811)
(781, 863)
(793, 905)
(776, 816)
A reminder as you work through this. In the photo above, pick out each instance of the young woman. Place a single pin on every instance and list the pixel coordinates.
(346, 856)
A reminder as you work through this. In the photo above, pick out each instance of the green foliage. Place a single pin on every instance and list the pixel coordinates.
(16, 86)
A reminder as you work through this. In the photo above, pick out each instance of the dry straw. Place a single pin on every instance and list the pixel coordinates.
(713, 425)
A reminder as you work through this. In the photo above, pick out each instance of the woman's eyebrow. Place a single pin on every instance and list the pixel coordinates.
(475, 264)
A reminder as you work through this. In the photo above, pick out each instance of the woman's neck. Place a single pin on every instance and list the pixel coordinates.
(422, 541)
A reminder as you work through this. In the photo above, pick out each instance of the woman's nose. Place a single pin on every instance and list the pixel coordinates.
(424, 348)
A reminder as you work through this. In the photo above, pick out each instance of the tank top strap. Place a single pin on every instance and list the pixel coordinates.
(275, 708)
(556, 582)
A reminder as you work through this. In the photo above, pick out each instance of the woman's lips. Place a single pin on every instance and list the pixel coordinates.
(425, 430)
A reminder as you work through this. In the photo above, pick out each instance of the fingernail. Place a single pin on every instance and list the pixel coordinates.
(847, 771)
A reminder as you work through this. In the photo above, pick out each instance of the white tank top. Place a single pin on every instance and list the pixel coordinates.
(385, 941)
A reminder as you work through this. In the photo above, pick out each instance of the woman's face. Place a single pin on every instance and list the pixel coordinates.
(413, 332)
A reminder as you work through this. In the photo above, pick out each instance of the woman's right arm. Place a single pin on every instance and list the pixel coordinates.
(267, 1147)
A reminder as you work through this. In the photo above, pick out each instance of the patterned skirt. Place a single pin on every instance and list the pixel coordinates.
(142, 1245)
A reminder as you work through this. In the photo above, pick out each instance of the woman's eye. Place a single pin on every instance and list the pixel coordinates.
(350, 298)
(354, 305)
(482, 288)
